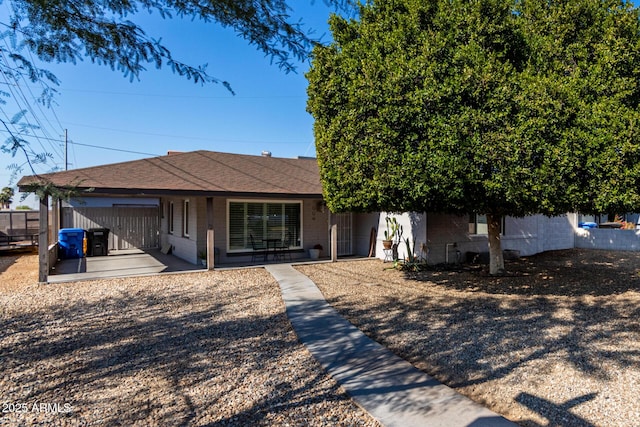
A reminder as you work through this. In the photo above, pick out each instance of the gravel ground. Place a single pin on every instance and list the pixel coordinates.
(212, 348)
(554, 343)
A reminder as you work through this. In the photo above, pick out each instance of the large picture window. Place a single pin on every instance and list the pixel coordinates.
(264, 220)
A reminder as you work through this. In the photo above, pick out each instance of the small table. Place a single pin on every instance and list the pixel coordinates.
(388, 255)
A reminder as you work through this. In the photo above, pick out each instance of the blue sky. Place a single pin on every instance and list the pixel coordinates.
(163, 111)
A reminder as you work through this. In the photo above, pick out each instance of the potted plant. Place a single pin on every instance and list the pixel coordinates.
(314, 253)
(393, 232)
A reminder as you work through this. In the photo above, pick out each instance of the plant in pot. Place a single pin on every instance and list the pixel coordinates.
(314, 253)
(392, 234)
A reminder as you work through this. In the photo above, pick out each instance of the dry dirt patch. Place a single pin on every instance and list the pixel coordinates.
(556, 342)
(212, 348)
(18, 271)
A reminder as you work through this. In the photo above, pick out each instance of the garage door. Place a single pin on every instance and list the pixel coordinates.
(130, 227)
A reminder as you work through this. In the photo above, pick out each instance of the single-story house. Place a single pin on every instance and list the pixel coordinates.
(217, 203)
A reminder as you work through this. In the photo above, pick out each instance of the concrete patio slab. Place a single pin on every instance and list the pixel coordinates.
(388, 387)
(134, 262)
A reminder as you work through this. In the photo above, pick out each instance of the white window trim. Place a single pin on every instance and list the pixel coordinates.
(186, 208)
(171, 218)
(290, 201)
(478, 235)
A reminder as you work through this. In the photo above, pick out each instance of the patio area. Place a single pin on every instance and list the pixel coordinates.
(138, 262)
(124, 263)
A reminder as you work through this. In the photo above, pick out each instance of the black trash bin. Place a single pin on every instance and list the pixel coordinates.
(97, 241)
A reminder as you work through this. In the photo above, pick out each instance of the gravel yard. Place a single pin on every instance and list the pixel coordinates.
(211, 348)
(554, 343)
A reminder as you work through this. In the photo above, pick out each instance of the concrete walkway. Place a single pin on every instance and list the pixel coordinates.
(388, 387)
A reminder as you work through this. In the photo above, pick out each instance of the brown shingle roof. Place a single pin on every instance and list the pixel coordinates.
(205, 172)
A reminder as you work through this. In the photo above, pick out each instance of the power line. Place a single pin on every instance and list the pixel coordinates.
(113, 149)
(163, 95)
(29, 135)
(18, 97)
(198, 138)
(40, 117)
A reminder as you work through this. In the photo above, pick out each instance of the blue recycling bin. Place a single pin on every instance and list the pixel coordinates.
(587, 225)
(71, 243)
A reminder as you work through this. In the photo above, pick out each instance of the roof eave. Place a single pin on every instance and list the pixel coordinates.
(157, 192)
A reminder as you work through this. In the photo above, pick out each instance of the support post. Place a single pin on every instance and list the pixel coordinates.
(334, 241)
(210, 250)
(43, 240)
(54, 227)
(210, 235)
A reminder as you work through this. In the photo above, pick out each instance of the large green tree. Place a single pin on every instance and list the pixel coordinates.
(496, 107)
(106, 32)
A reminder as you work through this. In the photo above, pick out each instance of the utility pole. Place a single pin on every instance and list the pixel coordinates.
(66, 151)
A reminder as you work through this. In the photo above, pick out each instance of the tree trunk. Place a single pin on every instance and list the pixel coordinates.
(496, 259)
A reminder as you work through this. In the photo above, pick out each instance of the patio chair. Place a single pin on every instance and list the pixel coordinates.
(258, 250)
(282, 249)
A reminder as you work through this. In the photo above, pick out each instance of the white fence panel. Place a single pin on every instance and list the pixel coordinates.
(608, 238)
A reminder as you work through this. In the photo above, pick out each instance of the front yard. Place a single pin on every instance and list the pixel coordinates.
(185, 349)
(557, 342)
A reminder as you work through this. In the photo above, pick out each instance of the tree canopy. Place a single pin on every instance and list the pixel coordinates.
(105, 33)
(498, 107)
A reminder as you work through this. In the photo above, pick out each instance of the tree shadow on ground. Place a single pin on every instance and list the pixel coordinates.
(558, 412)
(161, 359)
(7, 261)
(469, 330)
(557, 273)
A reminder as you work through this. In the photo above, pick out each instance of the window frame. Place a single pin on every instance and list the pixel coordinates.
(171, 218)
(185, 217)
(473, 225)
(265, 203)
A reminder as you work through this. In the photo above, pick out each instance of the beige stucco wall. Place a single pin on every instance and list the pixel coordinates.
(446, 237)
(529, 235)
(185, 247)
(314, 229)
(441, 234)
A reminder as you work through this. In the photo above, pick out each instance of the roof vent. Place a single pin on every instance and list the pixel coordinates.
(266, 153)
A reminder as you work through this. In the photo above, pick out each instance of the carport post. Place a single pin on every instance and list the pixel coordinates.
(43, 240)
(210, 240)
(210, 250)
